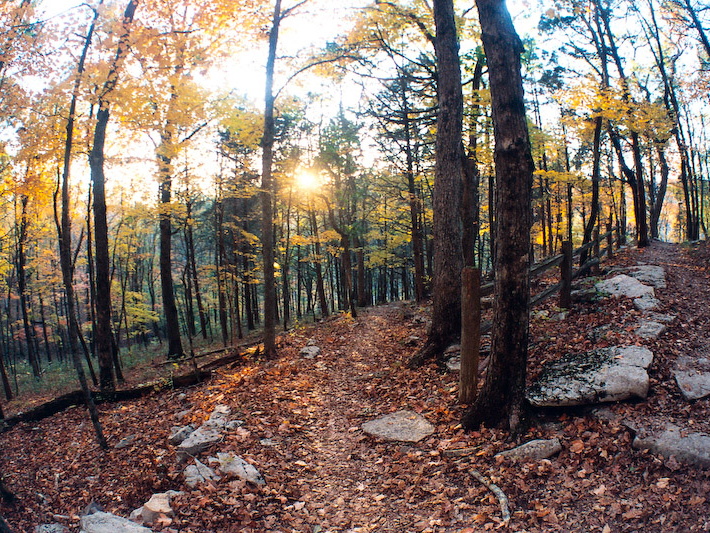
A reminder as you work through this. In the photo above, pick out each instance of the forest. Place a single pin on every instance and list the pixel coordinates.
(177, 174)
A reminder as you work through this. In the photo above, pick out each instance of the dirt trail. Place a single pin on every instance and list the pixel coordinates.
(302, 430)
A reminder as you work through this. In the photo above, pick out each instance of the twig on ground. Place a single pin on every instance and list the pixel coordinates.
(495, 489)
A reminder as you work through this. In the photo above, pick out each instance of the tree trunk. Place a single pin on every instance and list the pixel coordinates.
(449, 173)
(22, 287)
(172, 323)
(501, 399)
(267, 191)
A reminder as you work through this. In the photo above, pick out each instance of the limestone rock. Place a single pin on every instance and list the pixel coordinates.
(647, 303)
(651, 275)
(691, 448)
(125, 442)
(693, 377)
(198, 441)
(219, 418)
(157, 507)
(51, 528)
(650, 330)
(624, 286)
(661, 317)
(180, 433)
(233, 465)
(406, 426)
(109, 523)
(199, 473)
(604, 375)
(534, 450)
(310, 352)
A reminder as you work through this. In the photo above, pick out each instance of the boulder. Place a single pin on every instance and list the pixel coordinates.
(199, 473)
(693, 377)
(651, 275)
(624, 286)
(604, 375)
(109, 523)
(233, 465)
(650, 330)
(661, 317)
(535, 450)
(406, 426)
(686, 447)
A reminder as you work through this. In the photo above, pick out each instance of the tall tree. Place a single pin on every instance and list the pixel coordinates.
(104, 336)
(449, 175)
(501, 399)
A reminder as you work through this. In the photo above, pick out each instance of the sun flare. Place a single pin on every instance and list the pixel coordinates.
(306, 180)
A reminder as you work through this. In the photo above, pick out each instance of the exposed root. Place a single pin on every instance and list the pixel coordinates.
(495, 489)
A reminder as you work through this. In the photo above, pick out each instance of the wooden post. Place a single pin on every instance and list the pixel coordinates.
(470, 333)
(595, 238)
(566, 275)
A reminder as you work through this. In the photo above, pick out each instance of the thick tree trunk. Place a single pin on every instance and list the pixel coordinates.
(267, 191)
(501, 399)
(449, 174)
(166, 277)
(22, 287)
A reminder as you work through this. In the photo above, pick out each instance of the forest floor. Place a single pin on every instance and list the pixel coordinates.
(302, 430)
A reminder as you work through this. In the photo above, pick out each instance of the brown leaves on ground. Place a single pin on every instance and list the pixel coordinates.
(301, 429)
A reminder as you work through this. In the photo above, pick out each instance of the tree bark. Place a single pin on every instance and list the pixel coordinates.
(267, 190)
(449, 174)
(501, 399)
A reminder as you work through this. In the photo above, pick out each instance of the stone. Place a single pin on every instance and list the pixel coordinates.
(102, 522)
(604, 375)
(454, 364)
(179, 433)
(51, 528)
(535, 450)
(219, 418)
(588, 295)
(156, 508)
(406, 426)
(624, 286)
(647, 303)
(233, 465)
(661, 317)
(686, 447)
(650, 330)
(200, 440)
(309, 352)
(693, 377)
(198, 474)
(651, 275)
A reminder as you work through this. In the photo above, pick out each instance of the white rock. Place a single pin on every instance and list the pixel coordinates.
(406, 426)
(647, 303)
(200, 440)
(309, 352)
(159, 504)
(233, 465)
(649, 275)
(624, 286)
(219, 417)
(605, 375)
(108, 523)
(691, 448)
(650, 330)
(693, 384)
(199, 473)
(179, 433)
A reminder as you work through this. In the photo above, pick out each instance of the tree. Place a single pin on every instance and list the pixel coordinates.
(449, 175)
(104, 336)
(501, 399)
